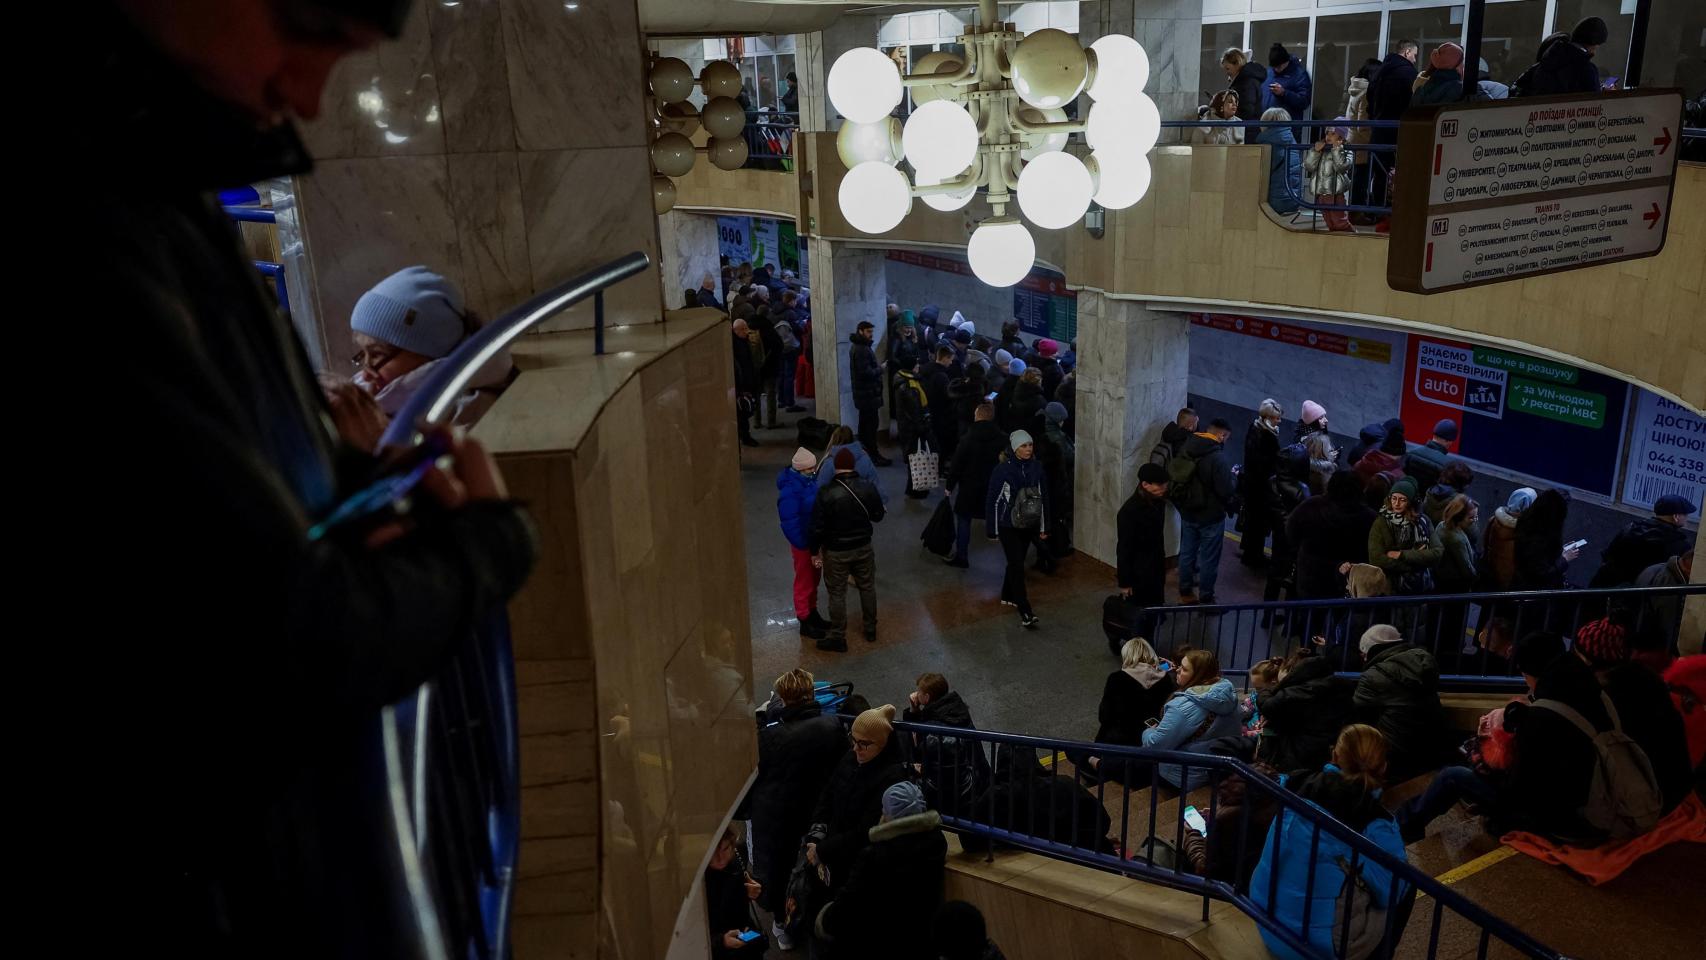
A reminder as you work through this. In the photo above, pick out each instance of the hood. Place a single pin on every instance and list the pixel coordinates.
(1218, 698)
(1415, 667)
(957, 319)
(490, 376)
(1311, 668)
(1147, 675)
(949, 711)
(790, 478)
(1372, 433)
(1652, 530)
(1503, 518)
(1441, 491)
(857, 340)
(1201, 445)
(1347, 800)
(1172, 433)
(1564, 55)
(1358, 85)
(1252, 71)
(929, 314)
(917, 823)
(1276, 135)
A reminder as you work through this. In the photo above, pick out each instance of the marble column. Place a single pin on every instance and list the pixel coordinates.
(689, 243)
(848, 285)
(1133, 364)
(1171, 33)
(500, 142)
(1693, 633)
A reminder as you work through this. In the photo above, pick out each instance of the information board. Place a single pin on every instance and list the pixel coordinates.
(1494, 190)
(1667, 452)
(1044, 307)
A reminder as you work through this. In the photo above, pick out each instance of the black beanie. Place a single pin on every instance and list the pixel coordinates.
(1279, 56)
(1393, 442)
(1591, 32)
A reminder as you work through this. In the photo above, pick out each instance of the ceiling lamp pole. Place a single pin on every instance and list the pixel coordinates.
(995, 121)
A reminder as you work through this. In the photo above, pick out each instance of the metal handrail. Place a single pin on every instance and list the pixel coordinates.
(1210, 888)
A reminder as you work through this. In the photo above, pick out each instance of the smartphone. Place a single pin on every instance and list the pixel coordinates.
(1575, 544)
(1193, 817)
(747, 936)
(1166, 665)
(380, 496)
(1151, 722)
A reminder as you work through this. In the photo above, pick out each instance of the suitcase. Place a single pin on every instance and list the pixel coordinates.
(1123, 619)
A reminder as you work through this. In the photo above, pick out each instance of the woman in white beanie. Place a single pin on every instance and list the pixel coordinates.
(406, 324)
(1016, 513)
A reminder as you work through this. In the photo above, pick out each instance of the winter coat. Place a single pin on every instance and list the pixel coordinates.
(1225, 136)
(1456, 572)
(864, 373)
(1058, 456)
(771, 363)
(1192, 716)
(1005, 481)
(746, 371)
(1410, 573)
(1326, 534)
(796, 756)
(708, 298)
(1378, 461)
(1285, 494)
(1261, 459)
(1214, 473)
(1025, 407)
(1303, 715)
(1296, 90)
(1141, 548)
(954, 771)
(1540, 562)
(1498, 557)
(1028, 799)
(1439, 496)
(1443, 86)
(1356, 108)
(1664, 613)
(1563, 68)
(1250, 83)
(1052, 375)
(1130, 699)
(884, 907)
(1389, 94)
(1368, 438)
(1327, 172)
(965, 394)
(1487, 89)
(842, 517)
(1636, 547)
(1284, 167)
(1323, 458)
(1398, 693)
(728, 908)
(1172, 443)
(1286, 852)
(973, 462)
(911, 412)
(221, 401)
(1424, 464)
(796, 494)
(851, 804)
(862, 465)
(935, 379)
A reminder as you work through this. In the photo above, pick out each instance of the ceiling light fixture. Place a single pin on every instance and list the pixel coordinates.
(674, 121)
(995, 122)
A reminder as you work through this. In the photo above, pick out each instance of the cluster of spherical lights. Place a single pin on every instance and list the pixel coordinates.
(675, 121)
(942, 142)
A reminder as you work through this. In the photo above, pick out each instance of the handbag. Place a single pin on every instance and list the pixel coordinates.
(938, 535)
(925, 467)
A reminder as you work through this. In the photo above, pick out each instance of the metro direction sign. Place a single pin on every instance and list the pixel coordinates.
(1497, 190)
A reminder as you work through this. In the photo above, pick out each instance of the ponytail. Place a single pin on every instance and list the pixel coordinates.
(1360, 754)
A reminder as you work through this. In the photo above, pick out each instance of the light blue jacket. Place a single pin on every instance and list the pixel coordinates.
(1183, 716)
(861, 462)
(1283, 165)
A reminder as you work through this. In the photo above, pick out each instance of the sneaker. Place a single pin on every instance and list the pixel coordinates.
(1029, 621)
(780, 937)
(832, 646)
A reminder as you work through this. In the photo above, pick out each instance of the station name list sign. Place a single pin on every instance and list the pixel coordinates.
(1502, 189)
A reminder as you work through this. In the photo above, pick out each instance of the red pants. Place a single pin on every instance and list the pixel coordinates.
(806, 577)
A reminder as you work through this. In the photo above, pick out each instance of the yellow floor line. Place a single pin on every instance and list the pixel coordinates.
(1476, 865)
(1051, 759)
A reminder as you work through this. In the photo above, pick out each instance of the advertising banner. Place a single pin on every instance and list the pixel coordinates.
(1044, 307)
(1667, 452)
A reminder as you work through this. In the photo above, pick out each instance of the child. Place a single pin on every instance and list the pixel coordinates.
(1327, 174)
(1264, 675)
(1224, 106)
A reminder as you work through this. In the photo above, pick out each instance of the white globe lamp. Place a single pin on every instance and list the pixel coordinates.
(857, 143)
(1121, 178)
(720, 78)
(672, 155)
(940, 139)
(727, 153)
(938, 62)
(671, 79)
(1049, 68)
(1122, 68)
(1001, 252)
(1054, 190)
(723, 117)
(864, 85)
(946, 202)
(1037, 144)
(663, 195)
(875, 197)
(1130, 126)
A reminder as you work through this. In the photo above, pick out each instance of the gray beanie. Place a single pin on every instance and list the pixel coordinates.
(902, 800)
(415, 309)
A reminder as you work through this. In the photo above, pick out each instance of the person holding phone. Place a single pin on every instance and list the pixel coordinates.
(1204, 708)
(729, 895)
(1132, 699)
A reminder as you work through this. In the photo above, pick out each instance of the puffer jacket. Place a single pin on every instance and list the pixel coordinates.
(1194, 715)
(1284, 167)
(1398, 693)
(1327, 172)
(862, 465)
(796, 493)
(796, 755)
(842, 517)
(1498, 546)
(1456, 571)
(884, 907)
(864, 372)
(1214, 473)
(974, 460)
(1005, 481)
(1251, 85)
(1287, 853)
(955, 771)
(1439, 496)
(1368, 438)
(1304, 713)
(1296, 90)
(1378, 461)
(1563, 68)
(851, 804)
(1424, 464)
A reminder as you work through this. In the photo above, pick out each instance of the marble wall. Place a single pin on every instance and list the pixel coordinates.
(1171, 32)
(689, 243)
(849, 284)
(1133, 367)
(501, 142)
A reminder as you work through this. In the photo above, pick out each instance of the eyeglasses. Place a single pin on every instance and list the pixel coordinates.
(862, 744)
(372, 358)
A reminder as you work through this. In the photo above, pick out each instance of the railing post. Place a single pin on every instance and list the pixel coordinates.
(1472, 49)
(598, 323)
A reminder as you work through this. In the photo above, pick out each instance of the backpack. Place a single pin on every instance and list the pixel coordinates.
(1359, 917)
(785, 333)
(1624, 799)
(1187, 489)
(1027, 512)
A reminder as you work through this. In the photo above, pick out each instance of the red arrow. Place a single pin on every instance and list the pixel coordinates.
(1652, 217)
(1663, 143)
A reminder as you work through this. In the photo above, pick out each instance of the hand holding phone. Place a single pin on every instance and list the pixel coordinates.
(1152, 722)
(1194, 819)
(747, 936)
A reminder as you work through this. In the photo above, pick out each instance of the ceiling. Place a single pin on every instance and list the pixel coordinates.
(729, 17)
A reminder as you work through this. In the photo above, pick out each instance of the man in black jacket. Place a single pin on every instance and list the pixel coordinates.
(746, 381)
(968, 477)
(841, 534)
(1388, 97)
(1204, 489)
(796, 755)
(945, 428)
(1645, 542)
(865, 375)
(265, 654)
(1565, 66)
(954, 771)
(1398, 693)
(1141, 551)
(884, 907)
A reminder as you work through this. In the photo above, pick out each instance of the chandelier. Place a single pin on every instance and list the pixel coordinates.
(670, 82)
(995, 122)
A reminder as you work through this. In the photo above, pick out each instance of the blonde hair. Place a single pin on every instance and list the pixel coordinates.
(1137, 651)
(1459, 507)
(1235, 57)
(795, 685)
(1205, 666)
(1031, 375)
(1360, 755)
(841, 436)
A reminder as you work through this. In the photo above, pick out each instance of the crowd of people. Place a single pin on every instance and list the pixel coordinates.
(771, 317)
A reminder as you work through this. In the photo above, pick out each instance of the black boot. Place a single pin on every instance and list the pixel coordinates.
(817, 622)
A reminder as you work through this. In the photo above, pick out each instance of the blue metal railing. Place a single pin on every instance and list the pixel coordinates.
(770, 140)
(452, 752)
(995, 817)
(1241, 634)
(1370, 175)
(248, 214)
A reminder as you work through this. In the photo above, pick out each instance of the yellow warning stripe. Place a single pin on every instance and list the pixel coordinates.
(1464, 871)
(1052, 758)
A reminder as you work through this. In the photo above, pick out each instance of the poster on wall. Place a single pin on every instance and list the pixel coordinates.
(734, 238)
(1533, 416)
(1293, 335)
(1044, 306)
(766, 242)
(1667, 452)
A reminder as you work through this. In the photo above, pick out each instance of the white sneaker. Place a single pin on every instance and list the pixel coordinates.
(780, 936)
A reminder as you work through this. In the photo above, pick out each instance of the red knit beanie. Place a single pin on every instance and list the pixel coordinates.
(1602, 643)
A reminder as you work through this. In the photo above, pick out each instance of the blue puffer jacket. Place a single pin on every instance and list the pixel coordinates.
(1283, 165)
(861, 463)
(796, 493)
(1356, 807)
(1183, 716)
(1296, 89)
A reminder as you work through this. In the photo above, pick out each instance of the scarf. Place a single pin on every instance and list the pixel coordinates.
(1403, 523)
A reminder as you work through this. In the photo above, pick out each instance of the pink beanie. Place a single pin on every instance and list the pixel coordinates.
(1313, 411)
(1447, 56)
(804, 460)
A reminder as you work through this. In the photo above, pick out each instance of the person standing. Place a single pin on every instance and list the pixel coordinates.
(1245, 79)
(1327, 531)
(1445, 77)
(912, 417)
(1059, 459)
(1498, 550)
(884, 907)
(1203, 488)
(1425, 463)
(1287, 490)
(841, 531)
(968, 477)
(944, 425)
(1016, 513)
(1565, 65)
(1261, 457)
(746, 381)
(707, 294)
(786, 321)
(1318, 444)
(1288, 87)
(1048, 367)
(1401, 542)
(1141, 550)
(866, 376)
(1388, 97)
(1645, 542)
(1541, 554)
(796, 495)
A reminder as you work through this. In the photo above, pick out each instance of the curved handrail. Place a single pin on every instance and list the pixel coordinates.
(1512, 596)
(433, 400)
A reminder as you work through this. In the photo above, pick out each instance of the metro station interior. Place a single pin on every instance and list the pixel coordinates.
(595, 189)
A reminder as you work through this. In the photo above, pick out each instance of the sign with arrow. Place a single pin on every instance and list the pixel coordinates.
(1496, 190)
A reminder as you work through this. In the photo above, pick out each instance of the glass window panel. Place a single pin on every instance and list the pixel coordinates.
(1676, 47)
(1510, 33)
(749, 83)
(785, 66)
(769, 91)
(1217, 38)
(1613, 56)
(1342, 45)
(1429, 27)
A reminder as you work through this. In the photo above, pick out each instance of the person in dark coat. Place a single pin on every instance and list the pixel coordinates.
(1173, 436)
(1368, 438)
(1304, 712)
(1328, 531)
(968, 477)
(1261, 458)
(1565, 64)
(1141, 548)
(944, 425)
(1398, 693)
(1425, 463)
(1246, 78)
(796, 755)
(746, 381)
(215, 392)
(1026, 797)
(1388, 97)
(1287, 489)
(1645, 542)
(1132, 699)
(851, 803)
(913, 420)
(1541, 558)
(1204, 502)
(1288, 87)
(953, 771)
(706, 295)
(1017, 485)
(965, 394)
(884, 907)
(846, 508)
(729, 892)
(1445, 77)
(866, 376)
(1059, 458)
(1026, 406)
(1048, 367)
